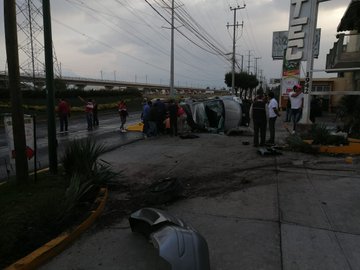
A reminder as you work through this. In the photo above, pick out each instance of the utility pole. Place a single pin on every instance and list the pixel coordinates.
(256, 65)
(248, 67)
(50, 88)
(235, 25)
(172, 92)
(17, 114)
(31, 44)
(242, 63)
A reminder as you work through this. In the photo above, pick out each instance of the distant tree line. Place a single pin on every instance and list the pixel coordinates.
(244, 83)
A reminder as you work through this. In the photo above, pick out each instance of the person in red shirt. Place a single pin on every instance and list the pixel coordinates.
(122, 108)
(89, 107)
(64, 114)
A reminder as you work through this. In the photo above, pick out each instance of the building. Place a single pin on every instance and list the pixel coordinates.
(344, 57)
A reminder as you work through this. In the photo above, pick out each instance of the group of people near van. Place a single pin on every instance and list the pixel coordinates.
(163, 118)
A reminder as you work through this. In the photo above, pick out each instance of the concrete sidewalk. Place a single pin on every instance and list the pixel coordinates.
(292, 211)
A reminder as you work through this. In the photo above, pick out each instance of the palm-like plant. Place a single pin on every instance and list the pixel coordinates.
(81, 157)
(86, 171)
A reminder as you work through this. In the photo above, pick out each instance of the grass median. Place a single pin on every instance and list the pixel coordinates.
(36, 212)
(29, 215)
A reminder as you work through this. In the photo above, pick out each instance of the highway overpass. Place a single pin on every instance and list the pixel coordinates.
(81, 83)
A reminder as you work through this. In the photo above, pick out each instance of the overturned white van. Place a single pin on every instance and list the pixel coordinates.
(219, 114)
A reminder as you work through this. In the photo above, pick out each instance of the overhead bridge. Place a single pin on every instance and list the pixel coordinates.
(81, 82)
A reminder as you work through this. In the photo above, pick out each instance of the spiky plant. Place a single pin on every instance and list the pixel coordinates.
(319, 134)
(81, 157)
(296, 144)
(77, 189)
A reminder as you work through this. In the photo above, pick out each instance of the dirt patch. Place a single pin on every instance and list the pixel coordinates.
(126, 198)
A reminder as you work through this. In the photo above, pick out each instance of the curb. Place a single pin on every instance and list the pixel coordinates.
(52, 248)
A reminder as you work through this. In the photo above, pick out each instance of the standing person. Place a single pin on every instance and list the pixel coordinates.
(167, 124)
(173, 109)
(258, 114)
(273, 114)
(145, 117)
(288, 110)
(89, 107)
(161, 108)
(297, 101)
(315, 109)
(122, 108)
(181, 118)
(95, 114)
(153, 116)
(64, 114)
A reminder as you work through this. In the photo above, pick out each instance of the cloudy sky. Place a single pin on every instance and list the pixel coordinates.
(129, 40)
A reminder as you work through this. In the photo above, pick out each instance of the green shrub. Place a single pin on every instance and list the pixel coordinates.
(322, 136)
(350, 106)
(296, 144)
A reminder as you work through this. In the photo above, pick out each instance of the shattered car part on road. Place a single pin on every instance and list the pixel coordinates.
(178, 243)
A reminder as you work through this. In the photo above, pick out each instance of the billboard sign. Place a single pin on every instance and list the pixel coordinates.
(290, 76)
(280, 43)
(300, 12)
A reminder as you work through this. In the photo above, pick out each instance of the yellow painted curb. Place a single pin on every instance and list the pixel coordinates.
(38, 257)
(354, 140)
(352, 148)
(136, 127)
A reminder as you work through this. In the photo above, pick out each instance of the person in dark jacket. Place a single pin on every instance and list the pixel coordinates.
(173, 109)
(152, 120)
(258, 114)
(145, 117)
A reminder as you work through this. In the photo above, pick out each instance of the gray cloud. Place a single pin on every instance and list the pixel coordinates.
(128, 38)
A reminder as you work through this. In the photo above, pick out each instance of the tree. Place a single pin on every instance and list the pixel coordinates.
(228, 81)
(253, 83)
(244, 81)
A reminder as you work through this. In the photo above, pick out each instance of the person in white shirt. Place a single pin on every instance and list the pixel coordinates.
(273, 114)
(297, 101)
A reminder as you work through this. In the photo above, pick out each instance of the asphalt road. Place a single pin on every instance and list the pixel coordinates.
(107, 133)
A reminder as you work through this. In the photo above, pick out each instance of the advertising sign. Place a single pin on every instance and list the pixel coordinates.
(299, 29)
(290, 76)
(280, 43)
(29, 134)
